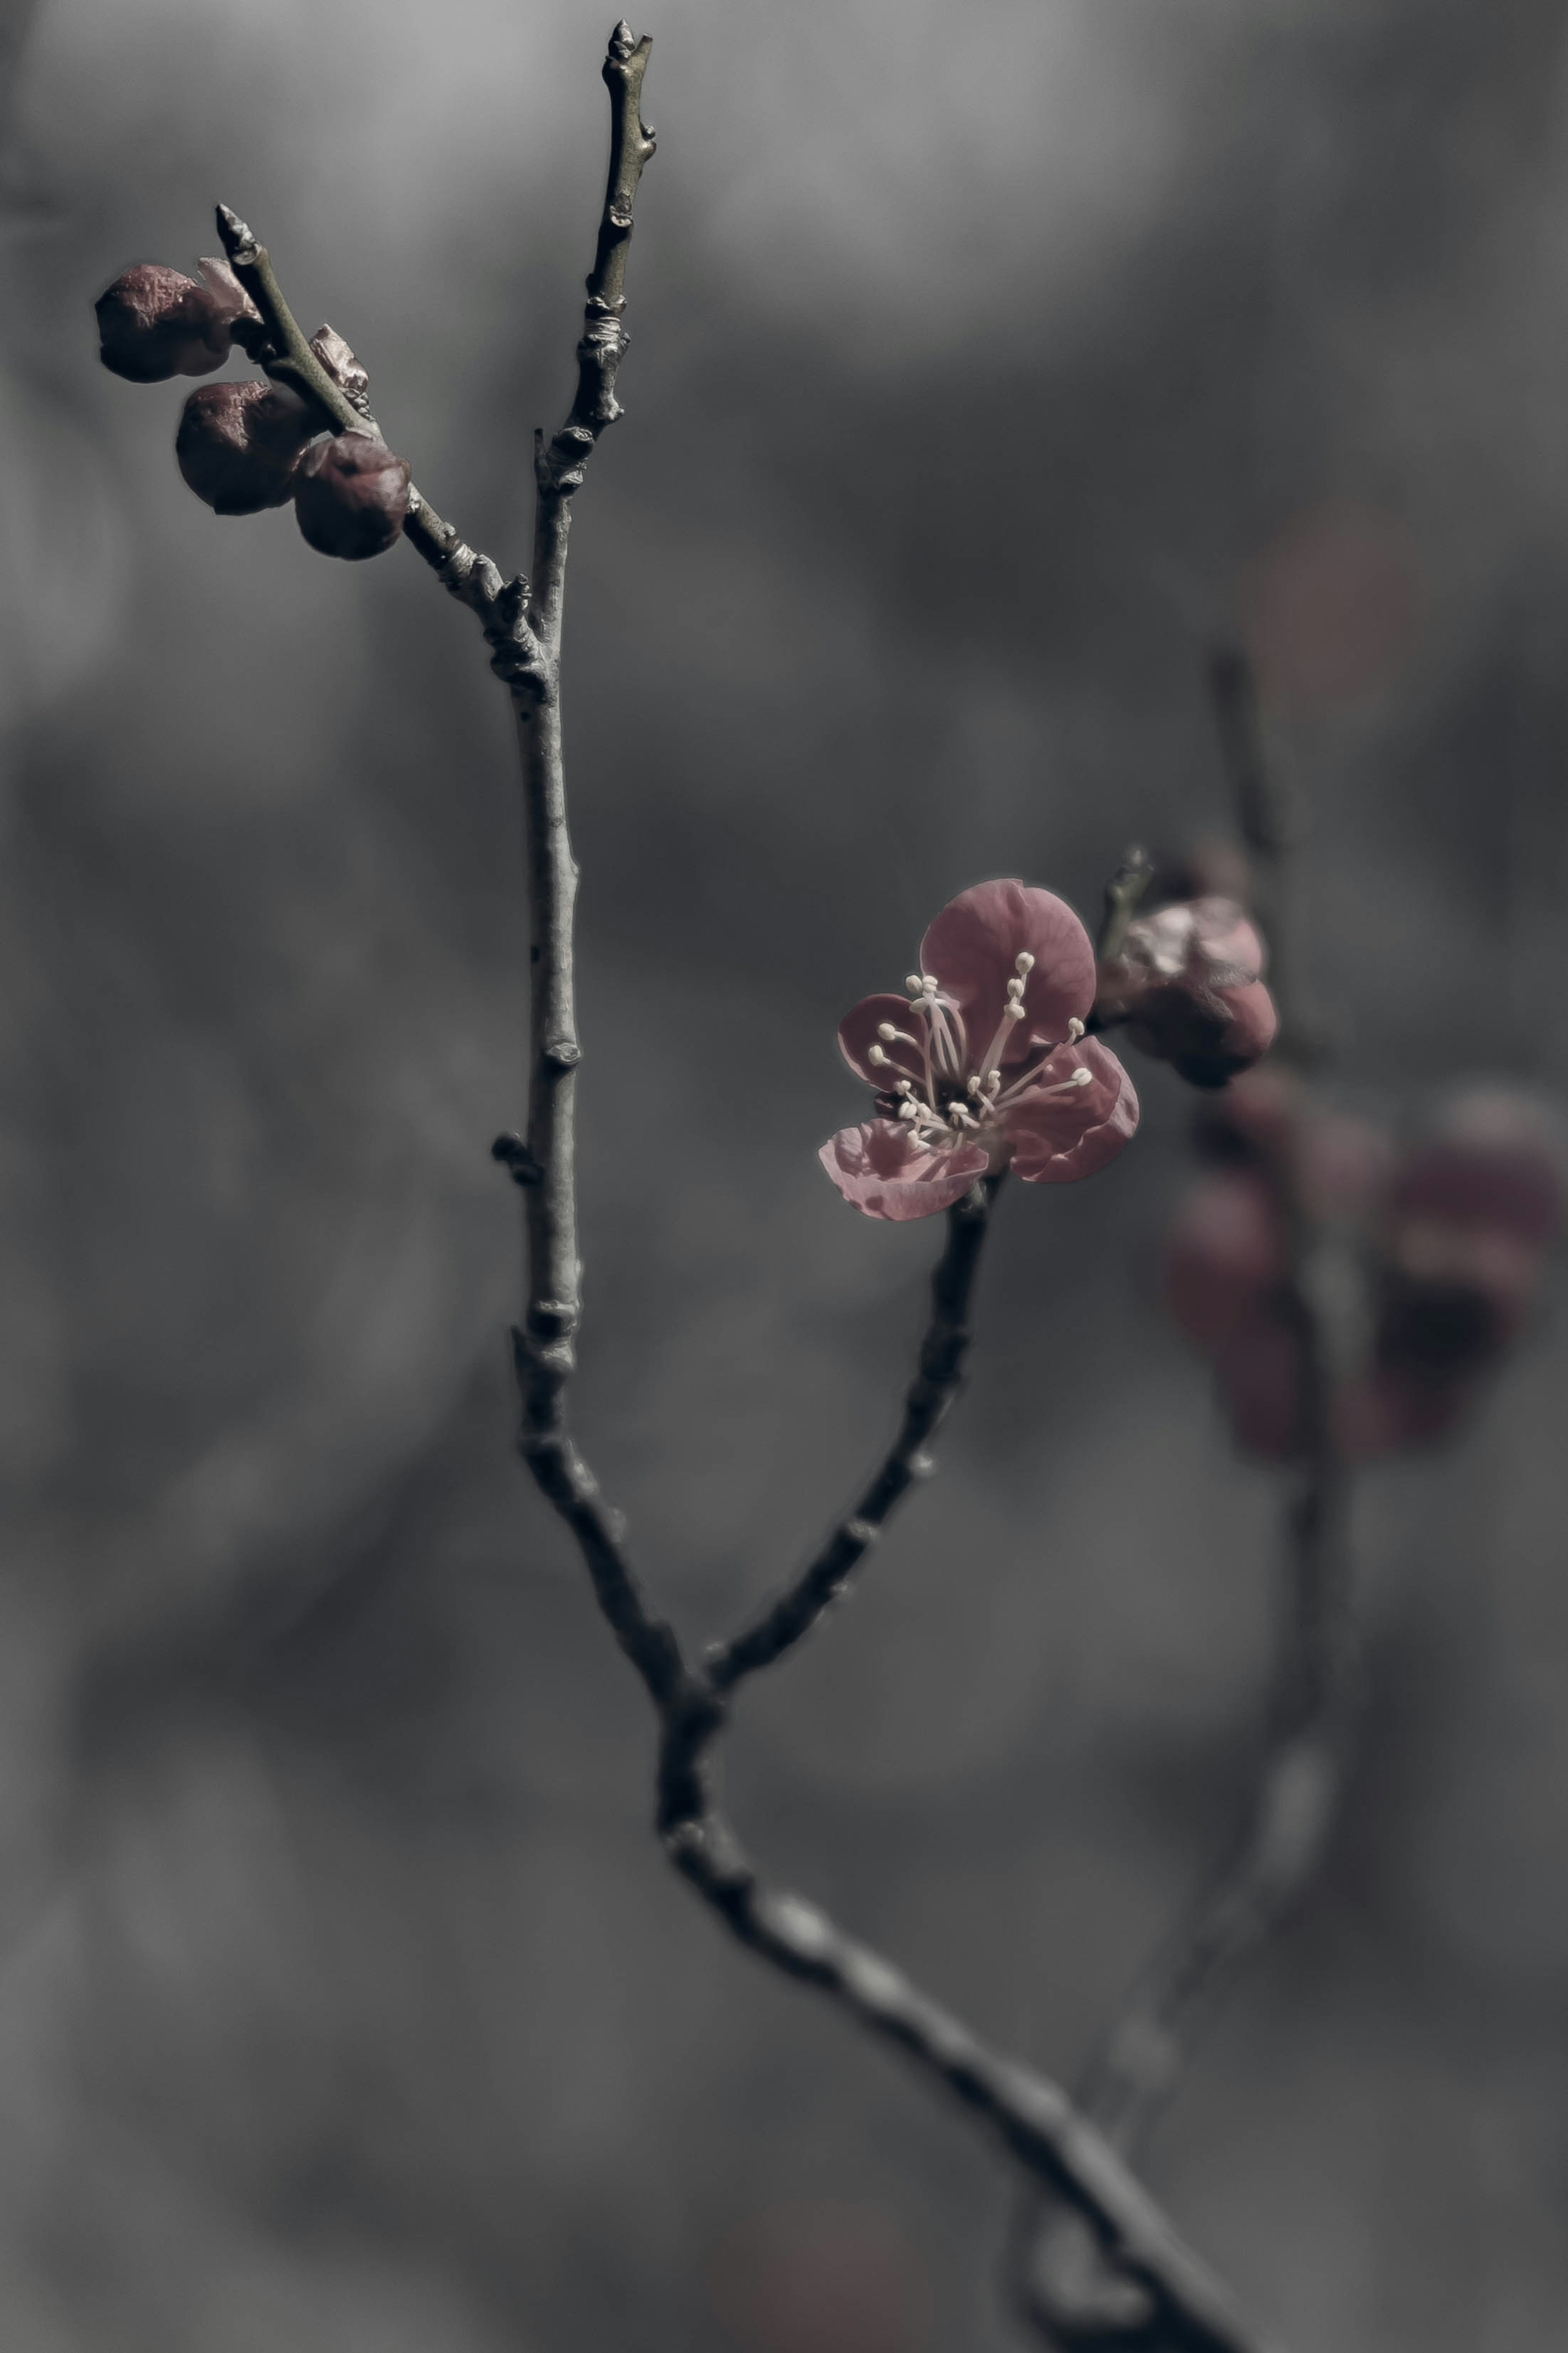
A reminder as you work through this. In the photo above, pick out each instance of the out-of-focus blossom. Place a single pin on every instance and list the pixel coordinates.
(1186, 983)
(1451, 1234)
(984, 1065)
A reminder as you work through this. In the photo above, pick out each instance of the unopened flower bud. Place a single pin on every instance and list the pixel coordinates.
(156, 322)
(351, 496)
(238, 445)
(1186, 983)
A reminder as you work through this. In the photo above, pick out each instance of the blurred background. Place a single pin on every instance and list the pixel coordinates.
(984, 364)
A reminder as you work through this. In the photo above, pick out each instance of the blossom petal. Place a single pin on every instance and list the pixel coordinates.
(858, 1035)
(882, 1169)
(1057, 1137)
(973, 947)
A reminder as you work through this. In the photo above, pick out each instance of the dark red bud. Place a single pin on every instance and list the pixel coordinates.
(156, 322)
(1206, 1037)
(238, 445)
(351, 496)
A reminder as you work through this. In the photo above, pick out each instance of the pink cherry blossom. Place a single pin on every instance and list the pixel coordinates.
(984, 1064)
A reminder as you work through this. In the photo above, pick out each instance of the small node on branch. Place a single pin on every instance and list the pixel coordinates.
(341, 364)
(240, 445)
(516, 1160)
(562, 1053)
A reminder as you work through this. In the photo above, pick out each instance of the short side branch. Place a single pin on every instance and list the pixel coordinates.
(938, 1379)
(283, 352)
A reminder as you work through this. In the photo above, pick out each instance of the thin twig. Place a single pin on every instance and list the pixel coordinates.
(283, 352)
(937, 1381)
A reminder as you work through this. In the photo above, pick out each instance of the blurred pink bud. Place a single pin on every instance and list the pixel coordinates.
(1254, 1122)
(156, 322)
(983, 1065)
(1473, 1206)
(1225, 1256)
(1186, 983)
(1492, 1160)
(1451, 1236)
(238, 445)
(351, 496)
(1259, 1370)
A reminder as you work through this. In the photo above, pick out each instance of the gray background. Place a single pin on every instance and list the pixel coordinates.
(345, 2006)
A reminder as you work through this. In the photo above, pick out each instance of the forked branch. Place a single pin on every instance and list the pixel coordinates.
(1053, 2143)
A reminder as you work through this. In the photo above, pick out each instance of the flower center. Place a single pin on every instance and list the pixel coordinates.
(960, 1093)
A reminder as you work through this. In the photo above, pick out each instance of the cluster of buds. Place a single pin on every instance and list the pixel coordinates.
(1185, 982)
(245, 445)
(1448, 1234)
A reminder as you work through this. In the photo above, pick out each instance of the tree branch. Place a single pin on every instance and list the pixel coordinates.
(938, 1379)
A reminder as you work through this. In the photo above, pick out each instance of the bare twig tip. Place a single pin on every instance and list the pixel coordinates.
(623, 41)
(238, 239)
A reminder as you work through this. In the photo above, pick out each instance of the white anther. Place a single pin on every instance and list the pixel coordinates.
(905, 1087)
(886, 1032)
(1075, 1030)
(877, 1056)
(908, 1109)
(1012, 1011)
(1023, 962)
(1081, 1077)
(929, 982)
(913, 984)
(973, 1085)
(994, 1082)
(1015, 991)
